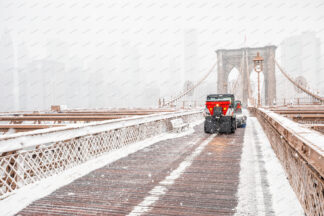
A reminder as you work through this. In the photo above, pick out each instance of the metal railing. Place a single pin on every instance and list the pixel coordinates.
(301, 155)
(29, 157)
(297, 101)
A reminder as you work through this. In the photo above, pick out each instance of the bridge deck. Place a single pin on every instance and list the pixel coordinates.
(198, 174)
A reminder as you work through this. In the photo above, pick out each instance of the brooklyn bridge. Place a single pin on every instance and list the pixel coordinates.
(169, 107)
(159, 161)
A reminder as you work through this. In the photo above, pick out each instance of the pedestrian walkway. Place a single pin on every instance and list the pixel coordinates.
(197, 174)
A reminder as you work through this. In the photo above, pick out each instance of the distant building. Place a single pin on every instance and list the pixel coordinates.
(190, 55)
(300, 58)
(191, 60)
(129, 79)
(9, 89)
(44, 84)
(149, 95)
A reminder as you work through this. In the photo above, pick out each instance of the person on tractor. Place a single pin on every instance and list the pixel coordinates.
(219, 114)
(240, 117)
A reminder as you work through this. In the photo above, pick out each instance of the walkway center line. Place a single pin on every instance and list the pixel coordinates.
(161, 188)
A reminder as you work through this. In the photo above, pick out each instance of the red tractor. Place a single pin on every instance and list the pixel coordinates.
(219, 114)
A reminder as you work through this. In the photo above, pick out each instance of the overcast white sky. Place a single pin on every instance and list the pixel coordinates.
(89, 28)
(220, 24)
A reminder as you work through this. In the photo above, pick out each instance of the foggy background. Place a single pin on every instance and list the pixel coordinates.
(128, 53)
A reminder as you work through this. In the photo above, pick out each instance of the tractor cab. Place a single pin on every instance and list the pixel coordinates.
(219, 113)
(225, 102)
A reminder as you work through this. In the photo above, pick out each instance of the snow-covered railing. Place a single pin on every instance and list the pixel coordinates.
(301, 152)
(296, 101)
(29, 157)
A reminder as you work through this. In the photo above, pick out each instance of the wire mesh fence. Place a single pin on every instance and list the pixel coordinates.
(34, 163)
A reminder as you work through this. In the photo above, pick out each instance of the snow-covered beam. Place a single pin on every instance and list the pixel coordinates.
(301, 152)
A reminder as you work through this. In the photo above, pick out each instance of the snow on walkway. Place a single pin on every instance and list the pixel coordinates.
(26, 195)
(159, 190)
(202, 180)
(263, 188)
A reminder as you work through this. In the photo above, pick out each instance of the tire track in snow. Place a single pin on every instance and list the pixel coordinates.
(161, 188)
(250, 194)
(263, 187)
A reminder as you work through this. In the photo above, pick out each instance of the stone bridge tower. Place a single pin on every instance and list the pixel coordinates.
(227, 59)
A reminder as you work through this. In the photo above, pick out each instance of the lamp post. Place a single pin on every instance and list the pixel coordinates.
(258, 67)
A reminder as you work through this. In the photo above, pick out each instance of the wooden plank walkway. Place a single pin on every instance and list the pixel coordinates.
(208, 186)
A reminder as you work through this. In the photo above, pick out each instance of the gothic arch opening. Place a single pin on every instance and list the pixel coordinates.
(234, 83)
(243, 59)
(254, 86)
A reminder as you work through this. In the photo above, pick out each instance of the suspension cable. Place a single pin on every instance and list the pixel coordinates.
(305, 90)
(191, 89)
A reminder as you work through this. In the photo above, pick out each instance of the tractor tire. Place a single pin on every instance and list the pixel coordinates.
(233, 126)
(207, 127)
(206, 131)
(238, 124)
